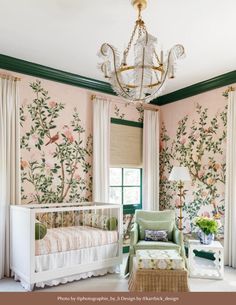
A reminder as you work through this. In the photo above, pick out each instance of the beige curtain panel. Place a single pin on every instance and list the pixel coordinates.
(9, 164)
(126, 146)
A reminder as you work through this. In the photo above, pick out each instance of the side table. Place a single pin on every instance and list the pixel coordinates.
(208, 269)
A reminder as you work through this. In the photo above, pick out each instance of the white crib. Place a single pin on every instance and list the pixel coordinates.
(85, 249)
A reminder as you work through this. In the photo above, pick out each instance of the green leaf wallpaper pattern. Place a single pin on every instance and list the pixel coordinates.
(198, 144)
(66, 175)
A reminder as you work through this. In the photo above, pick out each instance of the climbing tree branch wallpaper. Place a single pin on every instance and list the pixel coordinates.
(199, 143)
(58, 153)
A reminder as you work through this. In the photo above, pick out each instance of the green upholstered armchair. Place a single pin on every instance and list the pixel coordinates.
(155, 220)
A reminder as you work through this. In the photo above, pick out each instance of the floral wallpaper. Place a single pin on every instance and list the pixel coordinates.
(54, 151)
(198, 142)
(127, 111)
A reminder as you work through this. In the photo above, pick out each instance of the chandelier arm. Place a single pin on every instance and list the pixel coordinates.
(116, 72)
(163, 79)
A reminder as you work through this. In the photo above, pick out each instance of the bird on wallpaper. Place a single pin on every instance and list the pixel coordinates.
(53, 139)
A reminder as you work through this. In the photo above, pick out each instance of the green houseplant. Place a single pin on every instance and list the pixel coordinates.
(208, 228)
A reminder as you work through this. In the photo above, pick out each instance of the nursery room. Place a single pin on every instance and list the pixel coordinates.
(117, 146)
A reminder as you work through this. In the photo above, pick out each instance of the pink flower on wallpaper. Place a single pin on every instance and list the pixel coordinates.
(162, 145)
(33, 140)
(50, 151)
(204, 193)
(24, 164)
(201, 174)
(196, 135)
(52, 104)
(49, 165)
(69, 136)
(206, 214)
(77, 177)
(210, 181)
(182, 140)
(217, 166)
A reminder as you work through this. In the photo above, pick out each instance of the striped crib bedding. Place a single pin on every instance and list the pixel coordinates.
(73, 238)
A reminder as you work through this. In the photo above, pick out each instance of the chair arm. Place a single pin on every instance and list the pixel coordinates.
(134, 235)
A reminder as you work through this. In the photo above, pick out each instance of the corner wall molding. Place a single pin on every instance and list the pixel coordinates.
(29, 68)
(204, 86)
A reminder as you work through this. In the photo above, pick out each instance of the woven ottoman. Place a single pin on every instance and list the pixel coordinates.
(158, 270)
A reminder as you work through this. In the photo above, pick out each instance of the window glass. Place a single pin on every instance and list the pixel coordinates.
(131, 195)
(131, 176)
(115, 176)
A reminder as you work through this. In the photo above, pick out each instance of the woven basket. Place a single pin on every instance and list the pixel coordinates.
(158, 280)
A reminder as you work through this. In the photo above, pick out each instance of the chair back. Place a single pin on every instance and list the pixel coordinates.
(167, 215)
(155, 220)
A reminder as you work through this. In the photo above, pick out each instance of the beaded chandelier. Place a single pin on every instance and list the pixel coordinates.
(143, 79)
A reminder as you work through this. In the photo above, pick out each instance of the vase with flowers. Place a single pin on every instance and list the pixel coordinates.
(208, 228)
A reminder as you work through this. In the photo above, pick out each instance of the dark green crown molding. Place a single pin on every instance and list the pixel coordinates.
(29, 68)
(210, 84)
(126, 122)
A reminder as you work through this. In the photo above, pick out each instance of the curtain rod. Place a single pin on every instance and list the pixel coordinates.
(134, 104)
(8, 76)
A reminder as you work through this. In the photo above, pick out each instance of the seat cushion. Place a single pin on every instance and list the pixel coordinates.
(159, 259)
(152, 245)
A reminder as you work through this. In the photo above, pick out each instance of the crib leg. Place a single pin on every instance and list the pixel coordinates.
(31, 287)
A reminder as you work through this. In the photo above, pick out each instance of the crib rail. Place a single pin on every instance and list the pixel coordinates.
(24, 220)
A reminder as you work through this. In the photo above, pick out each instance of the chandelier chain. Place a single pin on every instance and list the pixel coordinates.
(126, 51)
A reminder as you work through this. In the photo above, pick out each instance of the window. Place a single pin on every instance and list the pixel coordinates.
(126, 187)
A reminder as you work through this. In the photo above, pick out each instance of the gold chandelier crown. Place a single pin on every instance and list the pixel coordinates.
(143, 80)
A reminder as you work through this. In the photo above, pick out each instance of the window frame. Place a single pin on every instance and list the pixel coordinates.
(129, 208)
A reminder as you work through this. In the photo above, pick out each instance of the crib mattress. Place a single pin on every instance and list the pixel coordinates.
(73, 238)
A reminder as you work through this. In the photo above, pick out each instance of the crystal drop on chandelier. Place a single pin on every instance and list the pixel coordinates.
(142, 80)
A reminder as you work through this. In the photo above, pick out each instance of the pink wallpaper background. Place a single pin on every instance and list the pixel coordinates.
(194, 135)
(56, 139)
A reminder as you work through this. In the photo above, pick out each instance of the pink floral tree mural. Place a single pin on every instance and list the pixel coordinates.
(200, 145)
(66, 174)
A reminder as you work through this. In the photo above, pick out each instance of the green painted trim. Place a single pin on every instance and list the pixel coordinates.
(29, 68)
(207, 85)
(125, 249)
(33, 69)
(126, 122)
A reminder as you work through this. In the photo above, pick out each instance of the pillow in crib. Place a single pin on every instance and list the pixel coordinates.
(40, 230)
(112, 223)
(156, 235)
